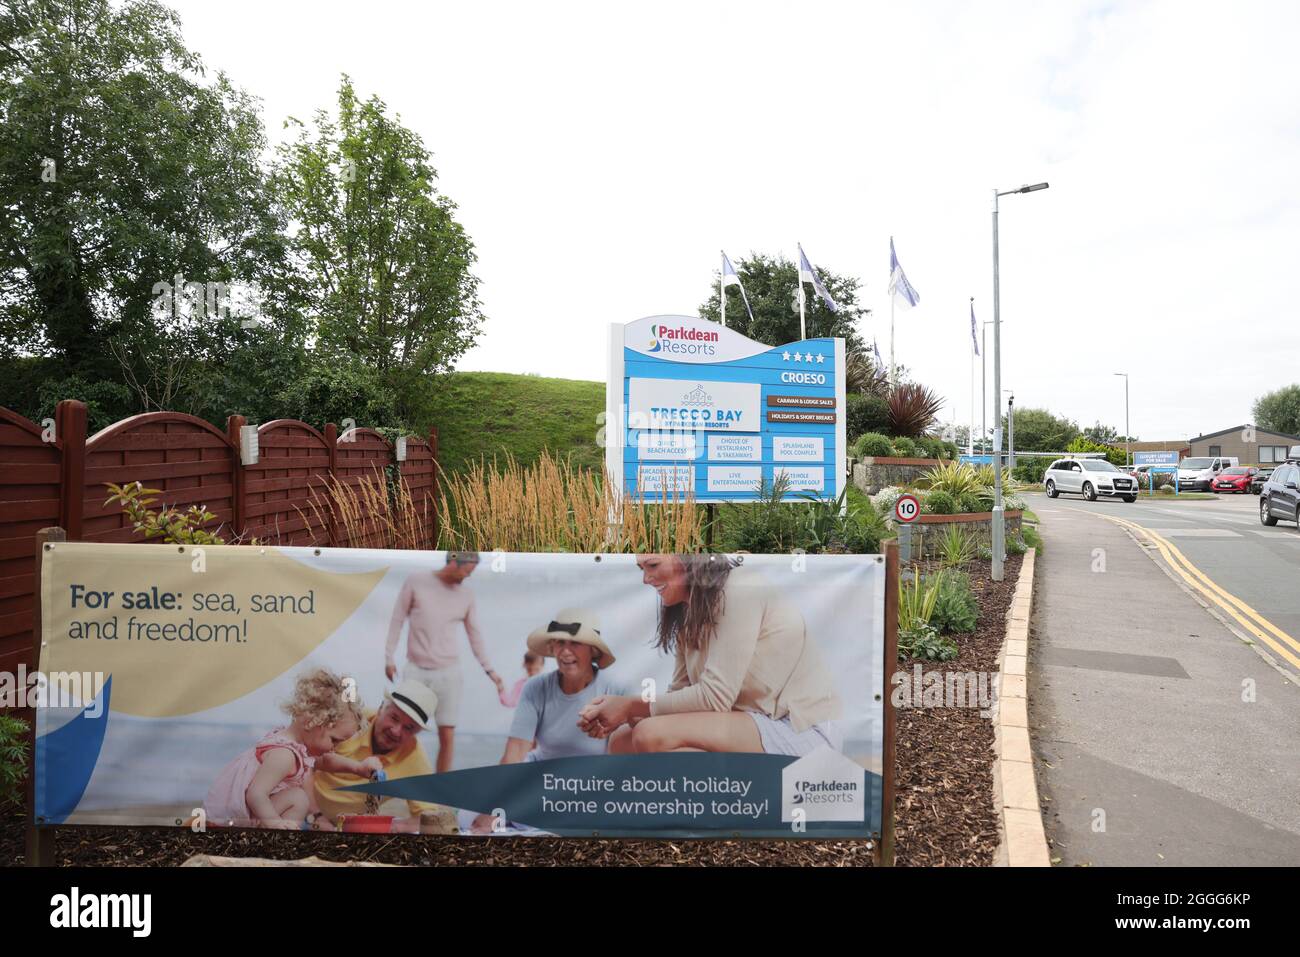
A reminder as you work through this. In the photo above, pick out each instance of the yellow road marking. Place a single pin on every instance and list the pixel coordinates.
(1252, 621)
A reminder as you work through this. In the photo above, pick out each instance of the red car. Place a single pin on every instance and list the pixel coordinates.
(1235, 479)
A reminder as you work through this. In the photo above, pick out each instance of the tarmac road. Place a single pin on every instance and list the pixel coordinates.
(1162, 735)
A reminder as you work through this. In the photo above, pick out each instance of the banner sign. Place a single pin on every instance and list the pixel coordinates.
(693, 405)
(507, 693)
(1155, 458)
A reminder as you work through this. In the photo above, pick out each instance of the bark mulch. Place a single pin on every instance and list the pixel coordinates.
(943, 813)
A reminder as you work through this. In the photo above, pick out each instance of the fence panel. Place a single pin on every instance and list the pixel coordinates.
(30, 472)
(419, 473)
(286, 491)
(361, 457)
(190, 461)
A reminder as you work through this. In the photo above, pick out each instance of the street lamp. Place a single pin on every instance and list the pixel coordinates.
(1128, 436)
(999, 529)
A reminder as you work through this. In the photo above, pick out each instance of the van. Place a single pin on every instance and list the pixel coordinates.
(1196, 473)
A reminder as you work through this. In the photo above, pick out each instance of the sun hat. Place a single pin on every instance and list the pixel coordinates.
(416, 700)
(572, 624)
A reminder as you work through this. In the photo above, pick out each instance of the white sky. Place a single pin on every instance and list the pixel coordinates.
(602, 153)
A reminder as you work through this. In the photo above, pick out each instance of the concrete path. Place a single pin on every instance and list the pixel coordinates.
(1161, 738)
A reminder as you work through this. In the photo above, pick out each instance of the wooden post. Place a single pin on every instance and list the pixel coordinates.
(327, 487)
(70, 433)
(40, 839)
(891, 719)
(238, 503)
(435, 490)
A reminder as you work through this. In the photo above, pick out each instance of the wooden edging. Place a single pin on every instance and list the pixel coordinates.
(1023, 843)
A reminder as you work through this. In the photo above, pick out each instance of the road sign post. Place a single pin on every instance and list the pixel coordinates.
(906, 510)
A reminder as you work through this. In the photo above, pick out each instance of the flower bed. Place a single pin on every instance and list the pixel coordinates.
(873, 473)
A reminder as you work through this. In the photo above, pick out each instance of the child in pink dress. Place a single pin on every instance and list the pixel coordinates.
(267, 785)
(533, 665)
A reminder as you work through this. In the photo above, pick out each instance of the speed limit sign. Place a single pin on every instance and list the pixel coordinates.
(907, 508)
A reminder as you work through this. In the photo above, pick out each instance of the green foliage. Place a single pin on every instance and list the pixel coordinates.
(1016, 546)
(956, 546)
(955, 607)
(917, 595)
(865, 413)
(913, 408)
(970, 502)
(1081, 444)
(923, 641)
(770, 283)
(1102, 434)
(1279, 410)
(1029, 533)
(872, 444)
(936, 448)
(1037, 430)
(904, 447)
(1030, 470)
(338, 391)
(954, 478)
(383, 264)
(106, 402)
(13, 759)
(171, 525)
(814, 525)
(939, 502)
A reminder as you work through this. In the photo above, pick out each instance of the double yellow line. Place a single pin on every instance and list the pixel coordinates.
(1251, 620)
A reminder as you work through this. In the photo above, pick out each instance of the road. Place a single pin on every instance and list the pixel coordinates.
(1162, 735)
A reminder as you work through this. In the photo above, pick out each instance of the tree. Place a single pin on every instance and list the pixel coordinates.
(1102, 434)
(1279, 410)
(1037, 430)
(120, 170)
(770, 283)
(383, 263)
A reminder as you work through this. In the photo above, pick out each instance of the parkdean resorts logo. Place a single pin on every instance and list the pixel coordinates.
(681, 341)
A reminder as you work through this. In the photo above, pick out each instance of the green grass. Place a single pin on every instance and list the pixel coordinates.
(489, 413)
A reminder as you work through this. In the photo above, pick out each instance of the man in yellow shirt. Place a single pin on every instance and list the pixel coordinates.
(389, 734)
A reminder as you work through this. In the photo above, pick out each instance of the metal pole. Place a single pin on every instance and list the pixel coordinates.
(1011, 432)
(998, 530)
(984, 392)
(722, 288)
(1128, 436)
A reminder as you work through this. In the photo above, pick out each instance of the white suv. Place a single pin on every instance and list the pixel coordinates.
(1089, 478)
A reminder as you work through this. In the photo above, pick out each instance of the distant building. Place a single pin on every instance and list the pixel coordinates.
(1180, 446)
(1263, 448)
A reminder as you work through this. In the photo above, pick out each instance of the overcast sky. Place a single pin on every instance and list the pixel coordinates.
(602, 153)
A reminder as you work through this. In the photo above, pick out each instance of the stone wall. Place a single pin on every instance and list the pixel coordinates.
(871, 474)
(928, 530)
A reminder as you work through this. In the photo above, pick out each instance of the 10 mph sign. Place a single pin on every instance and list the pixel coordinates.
(907, 508)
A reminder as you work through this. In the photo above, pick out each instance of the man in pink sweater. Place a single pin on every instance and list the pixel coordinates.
(435, 606)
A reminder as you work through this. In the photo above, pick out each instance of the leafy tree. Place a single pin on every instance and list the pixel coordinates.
(770, 283)
(121, 169)
(1083, 444)
(1037, 430)
(381, 261)
(1279, 410)
(1102, 434)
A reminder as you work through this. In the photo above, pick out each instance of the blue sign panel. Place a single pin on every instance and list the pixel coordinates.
(1155, 458)
(695, 405)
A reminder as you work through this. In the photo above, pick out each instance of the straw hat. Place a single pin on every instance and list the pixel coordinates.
(416, 700)
(572, 624)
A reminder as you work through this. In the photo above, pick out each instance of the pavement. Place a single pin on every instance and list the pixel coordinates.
(1161, 735)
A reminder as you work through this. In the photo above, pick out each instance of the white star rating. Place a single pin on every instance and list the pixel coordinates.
(785, 356)
(808, 357)
(798, 358)
(820, 358)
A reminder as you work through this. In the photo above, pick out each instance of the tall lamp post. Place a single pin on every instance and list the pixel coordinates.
(1128, 436)
(999, 529)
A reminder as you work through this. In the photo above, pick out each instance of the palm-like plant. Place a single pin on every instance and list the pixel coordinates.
(913, 409)
(863, 375)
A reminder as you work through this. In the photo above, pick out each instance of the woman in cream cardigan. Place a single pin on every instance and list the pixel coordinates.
(746, 675)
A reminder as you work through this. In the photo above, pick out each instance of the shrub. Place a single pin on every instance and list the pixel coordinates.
(170, 525)
(872, 443)
(913, 409)
(866, 413)
(334, 391)
(1016, 546)
(955, 608)
(904, 447)
(955, 478)
(1030, 470)
(13, 759)
(106, 402)
(969, 502)
(916, 599)
(939, 502)
(924, 641)
(1083, 444)
(886, 499)
(956, 547)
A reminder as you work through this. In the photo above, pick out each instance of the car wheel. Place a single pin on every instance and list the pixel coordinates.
(1130, 498)
(1264, 517)
(1089, 492)
(1051, 489)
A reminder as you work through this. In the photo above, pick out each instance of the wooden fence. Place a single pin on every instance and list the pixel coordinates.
(54, 474)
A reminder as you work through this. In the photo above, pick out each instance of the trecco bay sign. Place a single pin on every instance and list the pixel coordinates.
(694, 405)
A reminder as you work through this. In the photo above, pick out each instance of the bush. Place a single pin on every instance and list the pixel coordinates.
(904, 447)
(866, 413)
(955, 609)
(1030, 470)
(106, 402)
(939, 502)
(13, 759)
(335, 392)
(922, 640)
(1016, 546)
(970, 502)
(956, 546)
(886, 499)
(1083, 444)
(871, 443)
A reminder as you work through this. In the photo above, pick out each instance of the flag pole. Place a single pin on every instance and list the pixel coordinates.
(798, 271)
(970, 436)
(722, 288)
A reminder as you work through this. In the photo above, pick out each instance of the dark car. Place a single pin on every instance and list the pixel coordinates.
(1235, 479)
(1280, 497)
(1259, 478)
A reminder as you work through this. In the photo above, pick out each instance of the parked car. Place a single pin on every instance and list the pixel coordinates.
(1235, 479)
(1197, 474)
(1089, 478)
(1259, 478)
(1280, 497)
